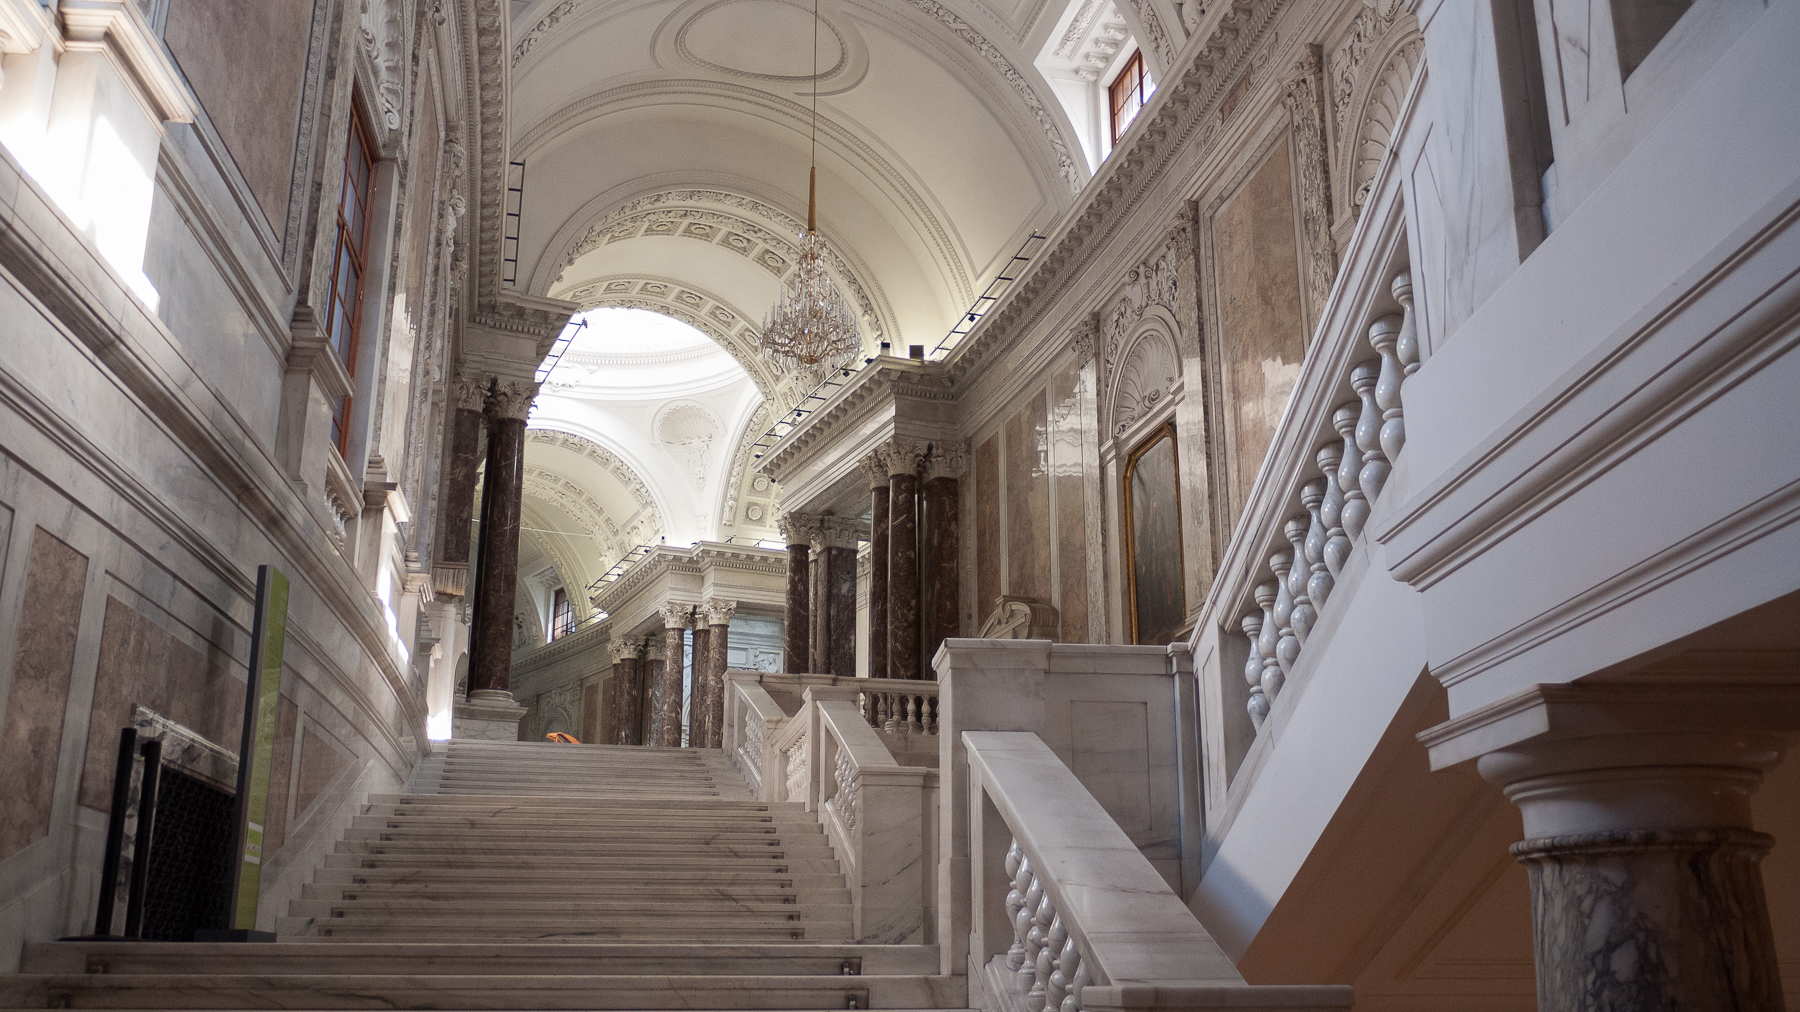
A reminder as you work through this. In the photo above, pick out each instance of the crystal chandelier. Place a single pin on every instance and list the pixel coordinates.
(811, 323)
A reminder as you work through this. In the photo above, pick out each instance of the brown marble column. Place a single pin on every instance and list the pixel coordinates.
(904, 458)
(702, 646)
(450, 573)
(834, 565)
(650, 677)
(717, 614)
(875, 469)
(941, 568)
(490, 661)
(1646, 889)
(628, 690)
(817, 644)
(797, 622)
(667, 728)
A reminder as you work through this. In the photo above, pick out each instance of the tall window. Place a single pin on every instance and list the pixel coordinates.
(345, 309)
(1129, 91)
(562, 615)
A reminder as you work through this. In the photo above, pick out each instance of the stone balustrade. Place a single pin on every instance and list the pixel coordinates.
(898, 704)
(1089, 924)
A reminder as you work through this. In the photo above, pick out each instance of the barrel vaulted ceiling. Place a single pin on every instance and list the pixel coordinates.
(669, 139)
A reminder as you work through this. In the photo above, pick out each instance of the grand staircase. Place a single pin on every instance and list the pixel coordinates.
(536, 876)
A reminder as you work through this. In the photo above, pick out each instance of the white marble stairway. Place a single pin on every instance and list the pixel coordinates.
(536, 876)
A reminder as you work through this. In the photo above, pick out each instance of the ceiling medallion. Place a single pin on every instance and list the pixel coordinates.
(811, 323)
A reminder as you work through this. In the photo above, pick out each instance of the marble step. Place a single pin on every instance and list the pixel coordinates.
(392, 829)
(551, 840)
(502, 879)
(551, 868)
(608, 826)
(626, 894)
(709, 930)
(598, 851)
(615, 906)
(611, 821)
(462, 991)
(324, 956)
(511, 801)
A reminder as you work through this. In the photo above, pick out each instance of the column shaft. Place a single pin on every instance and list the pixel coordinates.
(625, 729)
(490, 663)
(718, 643)
(697, 730)
(668, 710)
(818, 643)
(840, 611)
(459, 485)
(797, 623)
(903, 576)
(878, 581)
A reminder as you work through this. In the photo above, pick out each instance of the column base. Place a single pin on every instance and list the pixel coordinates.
(488, 715)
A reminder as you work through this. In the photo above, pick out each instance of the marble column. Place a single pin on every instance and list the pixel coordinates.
(717, 614)
(650, 675)
(668, 701)
(1646, 887)
(904, 458)
(702, 645)
(490, 662)
(941, 568)
(450, 572)
(875, 469)
(627, 714)
(817, 644)
(834, 555)
(797, 622)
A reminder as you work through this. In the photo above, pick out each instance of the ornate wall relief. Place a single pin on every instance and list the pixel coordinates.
(1304, 98)
(1369, 71)
(1145, 380)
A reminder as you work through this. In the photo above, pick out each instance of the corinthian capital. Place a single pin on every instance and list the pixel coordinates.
(471, 389)
(718, 611)
(799, 528)
(874, 468)
(949, 459)
(903, 456)
(512, 399)
(676, 615)
(624, 650)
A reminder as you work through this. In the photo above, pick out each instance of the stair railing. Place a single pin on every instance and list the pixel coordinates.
(1067, 915)
(753, 721)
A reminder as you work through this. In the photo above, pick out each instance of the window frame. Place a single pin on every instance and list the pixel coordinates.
(562, 614)
(1149, 442)
(1135, 62)
(352, 242)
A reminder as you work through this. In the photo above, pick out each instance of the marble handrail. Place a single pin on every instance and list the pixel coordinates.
(753, 721)
(1093, 925)
(898, 704)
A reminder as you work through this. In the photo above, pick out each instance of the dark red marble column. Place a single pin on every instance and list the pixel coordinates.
(490, 661)
(650, 671)
(817, 643)
(718, 644)
(904, 459)
(941, 569)
(797, 622)
(876, 471)
(450, 574)
(631, 699)
(697, 729)
(840, 592)
(667, 731)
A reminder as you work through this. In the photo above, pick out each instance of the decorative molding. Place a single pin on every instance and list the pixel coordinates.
(1156, 40)
(717, 611)
(532, 37)
(1146, 379)
(1085, 338)
(1362, 149)
(691, 304)
(639, 489)
(1078, 26)
(1304, 98)
(799, 528)
(511, 399)
(903, 456)
(117, 30)
(470, 390)
(383, 36)
(1155, 282)
(676, 615)
(949, 459)
(874, 468)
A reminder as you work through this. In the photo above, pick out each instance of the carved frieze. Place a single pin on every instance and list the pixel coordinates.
(1304, 98)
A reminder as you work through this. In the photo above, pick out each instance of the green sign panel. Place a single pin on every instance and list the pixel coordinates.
(268, 634)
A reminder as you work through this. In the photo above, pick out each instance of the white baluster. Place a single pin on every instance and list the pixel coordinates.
(915, 714)
(1304, 614)
(1253, 671)
(1287, 645)
(1015, 898)
(888, 722)
(1356, 505)
(1066, 960)
(1079, 980)
(1331, 511)
(1267, 640)
(1046, 965)
(1040, 973)
(1319, 582)
(1368, 430)
(1406, 348)
(1383, 335)
(1026, 925)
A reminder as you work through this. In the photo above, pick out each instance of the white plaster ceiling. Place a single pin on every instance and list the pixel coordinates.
(940, 146)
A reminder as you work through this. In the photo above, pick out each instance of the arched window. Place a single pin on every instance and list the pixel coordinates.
(1154, 565)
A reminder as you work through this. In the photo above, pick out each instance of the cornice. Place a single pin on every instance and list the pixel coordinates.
(1180, 110)
(585, 638)
(695, 561)
(887, 377)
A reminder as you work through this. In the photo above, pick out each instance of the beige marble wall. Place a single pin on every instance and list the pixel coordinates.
(1262, 328)
(1069, 429)
(1028, 501)
(38, 693)
(986, 535)
(246, 63)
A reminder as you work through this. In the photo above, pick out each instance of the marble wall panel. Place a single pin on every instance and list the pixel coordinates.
(987, 526)
(143, 664)
(590, 712)
(1261, 322)
(1109, 749)
(247, 62)
(320, 763)
(1028, 501)
(1068, 486)
(37, 698)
